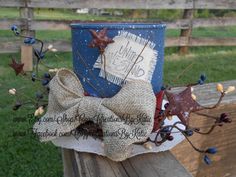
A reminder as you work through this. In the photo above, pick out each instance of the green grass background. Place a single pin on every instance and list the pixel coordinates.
(25, 156)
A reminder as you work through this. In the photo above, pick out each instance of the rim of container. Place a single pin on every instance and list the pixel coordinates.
(117, 25)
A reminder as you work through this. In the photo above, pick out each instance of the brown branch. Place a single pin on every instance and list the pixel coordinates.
(216, 105)
(208, 132)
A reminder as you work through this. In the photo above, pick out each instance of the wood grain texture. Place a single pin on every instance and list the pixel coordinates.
(214, 22)
(224, 162)
(27, 57)
(124, 4)
(207, 95)
(188, 14)
(5, 23)
(151, 165)
(65, 46)
(200, 41)
(158, 164)
(215, 4)
(30, 25)
(224, 138)
(26, 14)
(14, 46)
(118, 4)
(69, 163)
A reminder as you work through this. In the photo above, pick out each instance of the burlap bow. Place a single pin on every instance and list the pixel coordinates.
(125, 118)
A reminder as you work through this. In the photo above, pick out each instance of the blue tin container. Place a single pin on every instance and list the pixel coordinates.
(84, 57)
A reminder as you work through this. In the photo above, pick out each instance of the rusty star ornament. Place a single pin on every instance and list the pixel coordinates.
(181, 105)
(18, 67)
(100, 39)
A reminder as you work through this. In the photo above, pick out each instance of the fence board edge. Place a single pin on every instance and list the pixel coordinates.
(126, 4)
(64, 24)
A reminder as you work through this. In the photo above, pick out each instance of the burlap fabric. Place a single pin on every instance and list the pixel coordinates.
(68, 108)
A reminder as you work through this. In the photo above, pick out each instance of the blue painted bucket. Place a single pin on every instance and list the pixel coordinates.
(85, 57)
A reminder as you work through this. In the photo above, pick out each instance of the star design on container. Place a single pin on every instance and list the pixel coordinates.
(100, 39)
(18, 67)
(181, 105)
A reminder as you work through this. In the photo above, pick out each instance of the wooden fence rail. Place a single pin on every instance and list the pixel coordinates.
(123, 4)
(27, 22)
(5, 23)
(65, 46)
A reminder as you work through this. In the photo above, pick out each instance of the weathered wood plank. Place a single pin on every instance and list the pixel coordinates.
(160, 163)
(12, 3)
(224, 163)
(188, 14)
(9, 46)
(212, 41)
(65, 24)
(65, 46)
(124, 4)
(27, 51)
(151, 165)
(223, 138)
(214, 22)
(178, 24)
(13, 47)
(51, 24)
(176, 41)
(207, 94)
(5, 24)
(27, 57)
(69, 163)
(215, 4)
(200, 41)
(118, 4)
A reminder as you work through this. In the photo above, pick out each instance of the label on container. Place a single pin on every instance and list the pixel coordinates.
(130, 57)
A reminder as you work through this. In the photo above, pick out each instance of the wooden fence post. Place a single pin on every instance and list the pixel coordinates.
(188, 14)
(26, 15)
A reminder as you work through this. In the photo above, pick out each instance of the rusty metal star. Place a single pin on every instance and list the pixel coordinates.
(100, 39)
(18, 67)
(181, 105)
